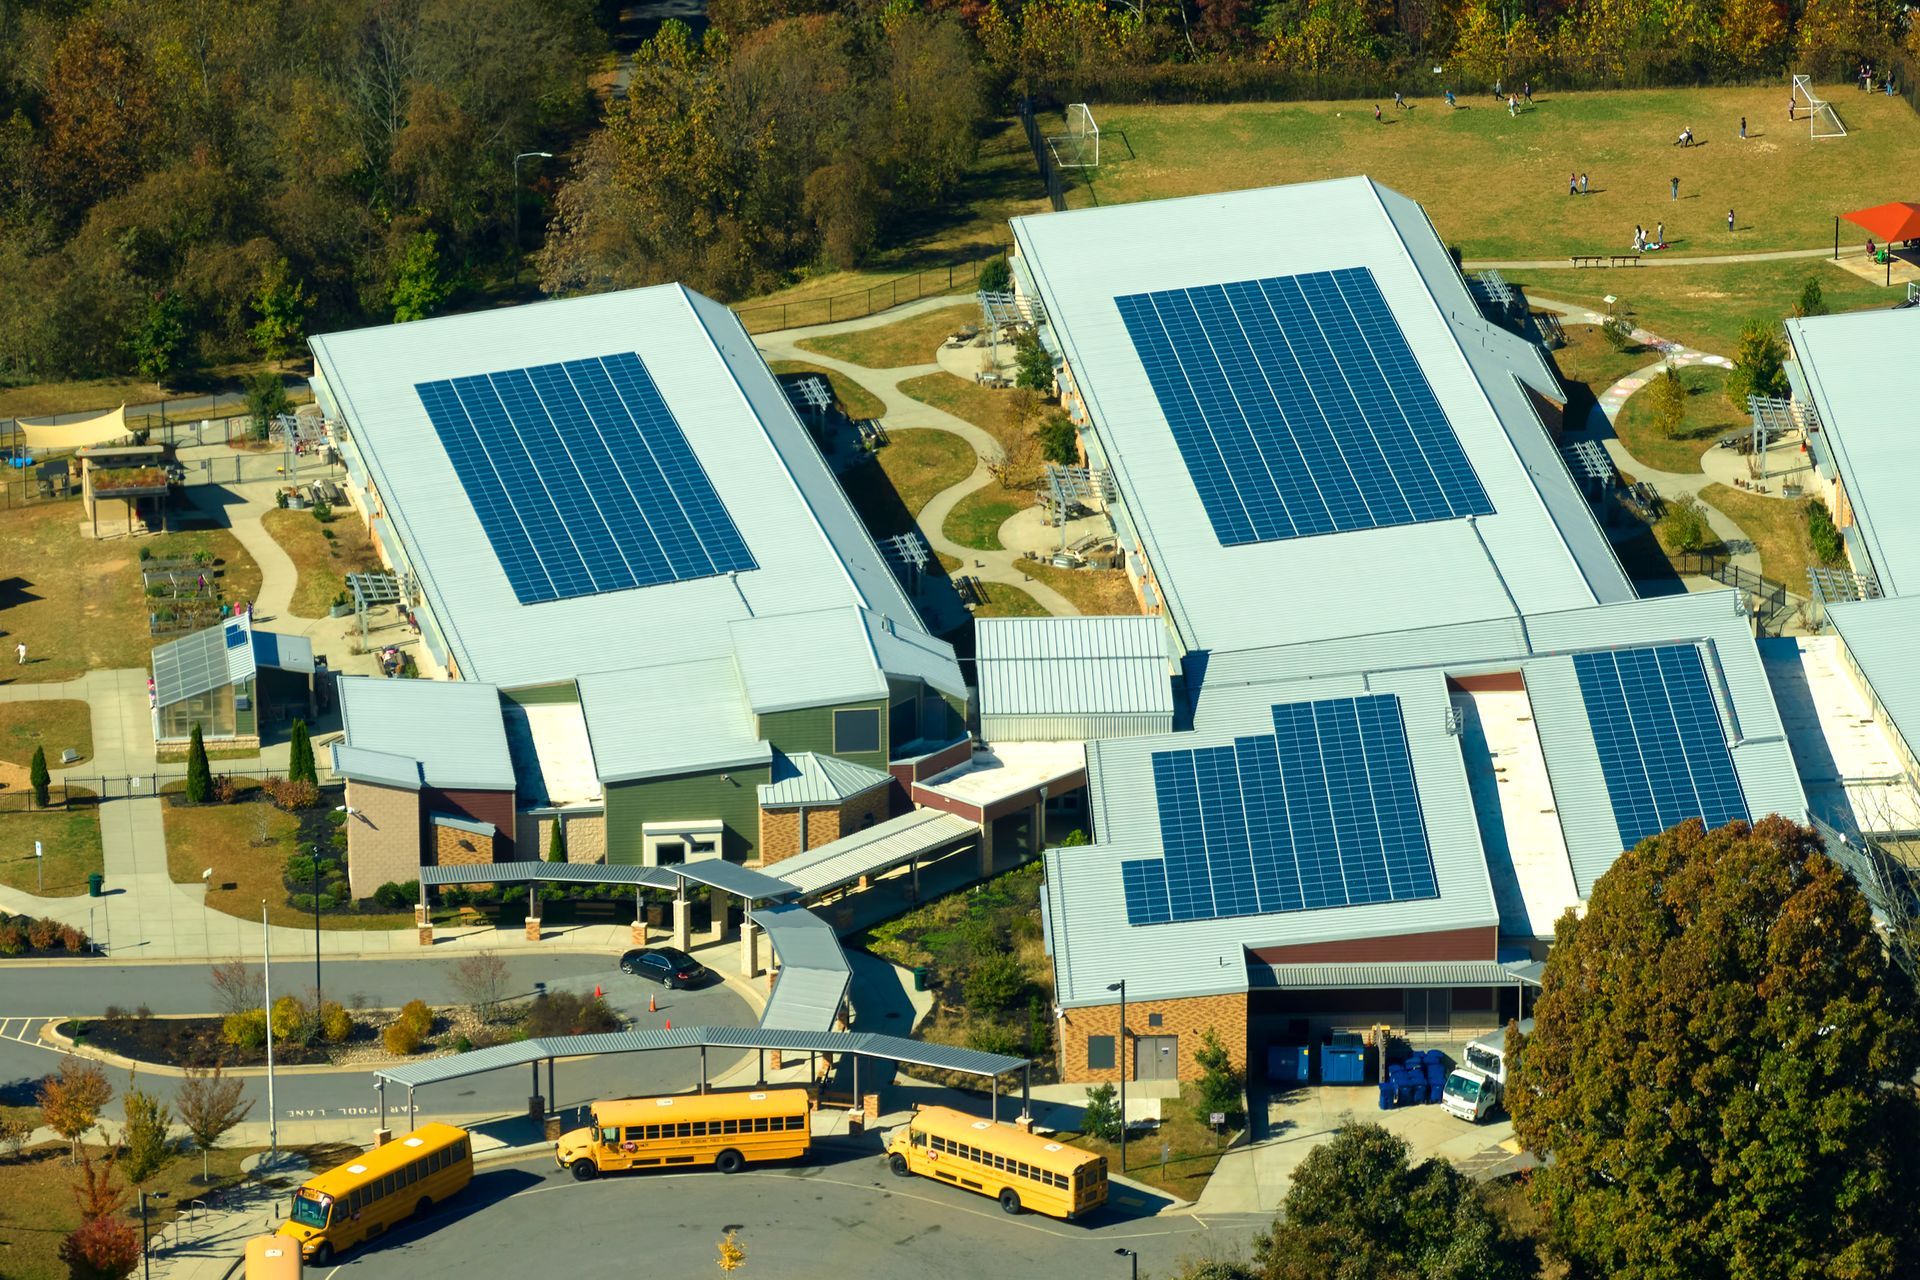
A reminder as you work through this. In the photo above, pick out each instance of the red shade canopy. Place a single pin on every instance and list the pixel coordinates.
(1896, 221)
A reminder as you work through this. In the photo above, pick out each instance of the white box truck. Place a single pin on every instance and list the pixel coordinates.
(1475, 1087)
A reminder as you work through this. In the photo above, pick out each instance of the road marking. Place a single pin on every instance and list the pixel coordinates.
(25, 1031)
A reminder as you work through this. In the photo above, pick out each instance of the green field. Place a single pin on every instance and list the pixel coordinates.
(1496, 187)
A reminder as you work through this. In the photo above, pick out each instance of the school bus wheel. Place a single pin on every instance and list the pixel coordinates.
(898, 1163)
(585, 1171)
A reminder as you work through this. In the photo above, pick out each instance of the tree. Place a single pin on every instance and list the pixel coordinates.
(71, 1099)
(210, 1106)
(1720, 1067)
(199, 772)
(1669, 402)
(995, 982)
(480, 981)
(1813, 301)
(1759, 364)
(1059, 441)
(1357, 1200)
(300, 766)
(557, 842)
(236, 987)
(1219, 1090)
(101, 1249)
(1101, 1118)
(159, 345)
(266, 400)
(1618, 331)
(14, 1133)
(1033, 366)
(1828, 546)
(1754, 32)
(418, 288)
(1684, 527)
(38, 777)
(281, 303)
(996, 276)
(145, 1145)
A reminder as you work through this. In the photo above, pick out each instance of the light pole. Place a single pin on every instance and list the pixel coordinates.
(146, 1267)
(316, 931)
(524, 155)
(1121, 1062)
(1133, 1258)
(266, 993)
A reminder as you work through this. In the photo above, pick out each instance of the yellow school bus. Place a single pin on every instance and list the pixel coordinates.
(368, 1195)
(724, 1129)
(1019, 1169)
(272, 1258)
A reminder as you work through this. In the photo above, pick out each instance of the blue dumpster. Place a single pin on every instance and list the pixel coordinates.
(1289, 1064)
(1343, 1060)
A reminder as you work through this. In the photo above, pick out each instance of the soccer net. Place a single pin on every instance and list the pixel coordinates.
(1079, 146)
(1822, 120)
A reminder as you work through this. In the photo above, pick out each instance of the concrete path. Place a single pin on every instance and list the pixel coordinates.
(904, 413)
(1658, 259)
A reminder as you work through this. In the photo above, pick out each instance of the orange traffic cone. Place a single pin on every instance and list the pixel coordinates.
(653, 1005)
(597, 992)
(669, 1024)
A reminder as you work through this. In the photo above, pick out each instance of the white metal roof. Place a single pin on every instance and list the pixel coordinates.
(811, 549)
(204, 660)
(552, 753)
(453, 728)
(1883, 637)
(1073, 666)
(809, 778)
(677, 718)
(1849, 760)
(1541, 550)
(814, 973)
(883, 845)
(1860, 370)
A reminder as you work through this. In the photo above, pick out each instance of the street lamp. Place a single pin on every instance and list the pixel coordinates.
(1121, 1063)
(146, 1268)
(316, 931)
(524, 155)
(1132, 1257)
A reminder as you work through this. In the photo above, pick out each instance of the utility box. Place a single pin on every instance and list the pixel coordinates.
(1343, 1060)
(1289, 1064)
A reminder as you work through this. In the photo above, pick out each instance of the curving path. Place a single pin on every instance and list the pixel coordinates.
(904, 413)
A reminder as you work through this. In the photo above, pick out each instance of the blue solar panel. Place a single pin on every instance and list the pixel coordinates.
(1320, 813)
(582, 478)
(1299, 408)
(1662, 750)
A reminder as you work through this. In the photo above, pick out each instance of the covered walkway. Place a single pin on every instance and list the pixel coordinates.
(902, 841)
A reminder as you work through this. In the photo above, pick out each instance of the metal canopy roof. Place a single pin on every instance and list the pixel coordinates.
(726, 876)
(1339, 977)
(895, 1048)
(814, 974)
(810, 778)
(883, 845)
(203, 661)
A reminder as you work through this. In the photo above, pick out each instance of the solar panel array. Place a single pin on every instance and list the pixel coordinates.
(1662, 750)
(1321, 813)
(582, 479)
(1299, 408)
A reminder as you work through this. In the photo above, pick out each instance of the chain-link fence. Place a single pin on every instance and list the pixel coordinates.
(931, 282)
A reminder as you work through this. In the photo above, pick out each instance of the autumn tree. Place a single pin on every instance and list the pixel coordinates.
(1759, 364)
(146, 1146)
(1669, 402)
(101, 1249)
(210, 1106)
(72, 1098)
(1720, 1067)
(103, 113)
(1356, 1199)
(281, 304)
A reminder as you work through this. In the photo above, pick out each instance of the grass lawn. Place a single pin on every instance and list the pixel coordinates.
(322, 562)
(1093, 591)
(1705, 307)
(975, 521)
(1004, 601)
(70, 839)
(1588, 357)
(1708, 417)
(904, 342)
(1192, 1149)
(55, 725)
(1776, 526)
(854, 398)
(1785, 186)
(890, 491)
(247, 846)
(77, 602)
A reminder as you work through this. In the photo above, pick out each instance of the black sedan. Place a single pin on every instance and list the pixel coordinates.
(670, 967)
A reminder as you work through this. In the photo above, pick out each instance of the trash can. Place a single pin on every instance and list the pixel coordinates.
(94, 881)
(920, 972)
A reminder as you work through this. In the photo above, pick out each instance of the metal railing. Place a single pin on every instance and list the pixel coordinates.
(931, 282)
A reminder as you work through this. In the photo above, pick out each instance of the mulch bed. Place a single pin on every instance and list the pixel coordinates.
(190, 1042)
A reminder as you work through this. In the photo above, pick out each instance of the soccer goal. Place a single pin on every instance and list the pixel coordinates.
(1079, 146)
(1822, 120)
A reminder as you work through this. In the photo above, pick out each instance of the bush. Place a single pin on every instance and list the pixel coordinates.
(43, 934)
(73, 941)
(994, 1037)
(397, 895)
(418, 1015)
(246, 1030)
(1813, 301)
(1828, 546)
(461, 1044)
(299, 868)
(13, 939)
(1685, 525)
(1618, 331)
(1059, 441)
(336, 1024)
(401, 1039)
(292, 793)
(38, 778)
(996, 276)
(1101, 1119)
(563, 1013)
(293, 1020)
(225, 789)
(996, 982)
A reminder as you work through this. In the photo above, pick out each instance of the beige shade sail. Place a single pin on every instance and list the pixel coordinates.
(44, 435)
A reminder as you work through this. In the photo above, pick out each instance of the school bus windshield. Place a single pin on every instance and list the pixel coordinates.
(309, 1210)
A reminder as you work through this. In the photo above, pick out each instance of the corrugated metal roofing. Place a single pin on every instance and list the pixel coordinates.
(453, 728)
(1419, 973)
(1073, 666)
(883, 845)
(1860, 371)
(811, 549)
(551, 873)
(806, 660)
(283, 652)
(462, 824)
(814, 974)
(907, 651)
(1542, 548)
(680, 718)
(202, 662)
(520, 1052)
(362, 765)
(808, 778)
(1883, 639)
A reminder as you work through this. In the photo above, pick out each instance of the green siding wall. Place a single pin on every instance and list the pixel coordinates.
(811, 729)
(543, 695)
(683, 798)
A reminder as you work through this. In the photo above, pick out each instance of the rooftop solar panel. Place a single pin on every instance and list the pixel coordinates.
(1662, 750)
(582, 478)
(1321, 813)
(1299, 407)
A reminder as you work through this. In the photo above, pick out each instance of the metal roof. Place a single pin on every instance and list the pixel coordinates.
(883, 845)
(809, 778)
(1860, 371)
(681, 718)
(520, 1052)
(1417, 973)
(361, 765)
(1073, 666)
(811, 548)
(1542, 549)
(1882, 638)
(462, 824)
(283, 652)
(453, 728)
(551, 873)
(814, 973)
(203, 661)
(836, 656)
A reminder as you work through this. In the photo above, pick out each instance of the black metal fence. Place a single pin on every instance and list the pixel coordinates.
(1770, 598)
(69, 791)
(1050, 175)
(930, 282)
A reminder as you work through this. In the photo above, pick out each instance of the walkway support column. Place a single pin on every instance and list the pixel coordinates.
(536, 1105)
(533, 922)
(716, 914)
(423, 918)
(749, 949)
(639, 918)
(681, 937)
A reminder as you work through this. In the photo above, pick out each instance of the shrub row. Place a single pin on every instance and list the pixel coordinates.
(409, 1031)
(21, 934)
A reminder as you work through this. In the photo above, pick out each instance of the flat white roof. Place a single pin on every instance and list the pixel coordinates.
(1008, 769)
(1849, 765)
(1519, 821)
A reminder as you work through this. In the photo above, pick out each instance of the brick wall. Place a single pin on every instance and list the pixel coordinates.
(780, 828)
(586, 835)
(1187, 1019)
(875, 804)
(779, 834)
(383, 836)
(453, 847)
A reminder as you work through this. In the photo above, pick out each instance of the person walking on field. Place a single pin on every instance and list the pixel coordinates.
(1792, 106)
(1573, 184)
(1729, 222)
(1673, 186)
(1513, 106)
(20, 652)
(1526, 91)
(1376, 113)
(1743, 128)
(1660, 235)
(1583, 184)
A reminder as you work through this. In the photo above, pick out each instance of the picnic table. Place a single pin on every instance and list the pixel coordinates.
(1604, 259)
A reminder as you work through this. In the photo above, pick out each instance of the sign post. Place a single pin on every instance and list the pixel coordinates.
(39, 870)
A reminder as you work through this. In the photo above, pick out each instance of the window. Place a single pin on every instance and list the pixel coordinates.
(1099, 1053)
(652, 1132)
(729, 1126)
(683, 1130)
(1153, 1019)
(855, 731)
(759, 1124)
